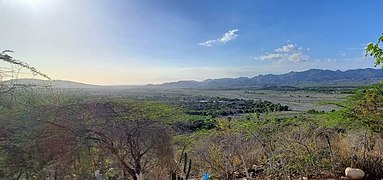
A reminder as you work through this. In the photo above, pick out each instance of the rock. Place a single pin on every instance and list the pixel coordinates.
(354, 173)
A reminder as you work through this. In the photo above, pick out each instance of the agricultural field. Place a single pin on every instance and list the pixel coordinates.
(298, 101)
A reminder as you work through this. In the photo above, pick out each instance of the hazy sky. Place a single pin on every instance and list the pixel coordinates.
(153, 41)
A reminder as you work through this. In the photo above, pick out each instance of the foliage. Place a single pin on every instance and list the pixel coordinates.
(362, 110)
(29, 144)
(313, 111)
(44, 134)
(263, 148)
(216, 106)
(374, 50)
(225, 107)
(359, 124)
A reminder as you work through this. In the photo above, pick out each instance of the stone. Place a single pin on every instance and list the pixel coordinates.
(354, 173)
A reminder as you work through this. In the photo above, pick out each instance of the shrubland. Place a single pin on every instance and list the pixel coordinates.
(71, 137)
(59, 134)
(56, 134)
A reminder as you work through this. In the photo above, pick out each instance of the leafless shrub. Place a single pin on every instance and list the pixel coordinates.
(12, 72)
(222, 154)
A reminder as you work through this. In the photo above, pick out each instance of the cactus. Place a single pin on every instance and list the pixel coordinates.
(174, 176)
(184, 175)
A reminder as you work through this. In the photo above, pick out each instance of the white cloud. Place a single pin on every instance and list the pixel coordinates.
(289, 52)
(287, 48)
(297, 57)
(208, 43)
(272, 56)
(228, 36)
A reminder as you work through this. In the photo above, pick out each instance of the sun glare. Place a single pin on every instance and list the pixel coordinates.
(28, 4)
(36, 3)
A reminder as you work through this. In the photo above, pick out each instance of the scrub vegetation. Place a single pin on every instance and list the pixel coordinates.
(62, 134)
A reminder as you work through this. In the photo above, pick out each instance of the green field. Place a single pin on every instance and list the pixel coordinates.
(298, 101)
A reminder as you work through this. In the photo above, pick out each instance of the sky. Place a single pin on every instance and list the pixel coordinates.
(116, 42)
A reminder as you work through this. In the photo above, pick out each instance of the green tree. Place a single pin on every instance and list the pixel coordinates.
(374, 50)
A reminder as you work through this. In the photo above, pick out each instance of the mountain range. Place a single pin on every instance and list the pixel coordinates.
(309, 78)
(312, 77)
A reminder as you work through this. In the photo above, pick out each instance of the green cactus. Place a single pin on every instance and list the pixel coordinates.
(186, 168)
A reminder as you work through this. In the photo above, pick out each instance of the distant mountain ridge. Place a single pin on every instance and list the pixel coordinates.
(309, 78)
(312, 77)
(55, 83)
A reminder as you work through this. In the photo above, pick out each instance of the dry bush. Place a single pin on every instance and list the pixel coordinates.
(300, 151)
(360, 150)
(224, 153)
